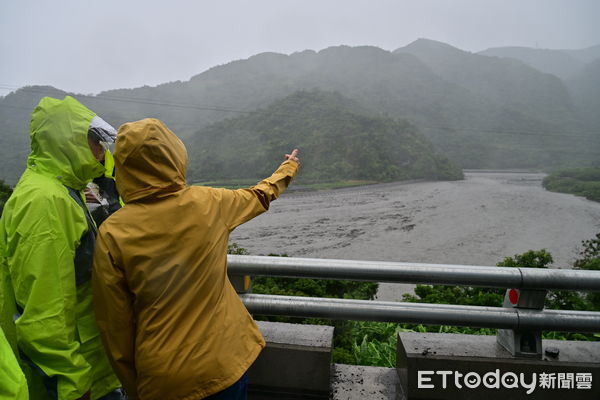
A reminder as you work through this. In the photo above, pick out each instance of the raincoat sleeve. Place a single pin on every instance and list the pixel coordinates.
(239, 206)
(12, 384)
(114, 315)
(42, 269)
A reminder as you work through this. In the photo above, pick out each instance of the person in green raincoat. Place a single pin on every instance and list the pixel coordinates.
(13, 385)
(47, 238)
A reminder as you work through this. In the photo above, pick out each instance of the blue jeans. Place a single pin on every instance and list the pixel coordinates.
(237, 391)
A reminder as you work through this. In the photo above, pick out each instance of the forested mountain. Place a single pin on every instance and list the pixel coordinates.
(480, 111)
(506, 82)
(561, 63)
(585, 90)
(574, 67)
(578, 69)
(338, 138)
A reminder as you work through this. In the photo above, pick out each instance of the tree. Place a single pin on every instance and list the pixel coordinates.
(590, 260)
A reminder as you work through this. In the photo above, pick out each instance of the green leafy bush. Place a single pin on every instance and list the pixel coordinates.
(345, 332)
(555, 299)
(375, 344)
(578, 181)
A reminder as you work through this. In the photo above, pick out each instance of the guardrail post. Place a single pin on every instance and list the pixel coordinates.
(521, 342)
(241, 283)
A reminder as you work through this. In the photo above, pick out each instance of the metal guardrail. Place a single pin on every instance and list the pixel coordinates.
(434, 314)
(397, 272)
(420, 313)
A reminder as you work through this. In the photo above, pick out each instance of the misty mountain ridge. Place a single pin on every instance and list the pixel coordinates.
(564, 64)
(480, 111)
(578, 69)
(505, 81)
(339, 140)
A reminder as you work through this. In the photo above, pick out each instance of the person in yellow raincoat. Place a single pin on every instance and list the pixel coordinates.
(172, 324)
(46, 247)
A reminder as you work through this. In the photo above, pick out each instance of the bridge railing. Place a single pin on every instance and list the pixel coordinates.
(430, 314)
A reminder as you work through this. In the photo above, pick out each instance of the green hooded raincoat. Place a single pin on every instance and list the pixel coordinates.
(46, 286)
(12, 385)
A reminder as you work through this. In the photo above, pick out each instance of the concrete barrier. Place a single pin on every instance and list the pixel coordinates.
(358, 382)
(295, 364)
(455, 366)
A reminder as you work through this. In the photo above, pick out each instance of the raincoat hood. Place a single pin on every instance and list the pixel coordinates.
(59, 142)
(150, 161)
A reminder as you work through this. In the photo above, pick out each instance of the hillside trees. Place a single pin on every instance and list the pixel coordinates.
(578, 181)
(338, 139)
(477, 110)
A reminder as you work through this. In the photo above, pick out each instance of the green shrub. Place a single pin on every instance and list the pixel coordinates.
(578, 181)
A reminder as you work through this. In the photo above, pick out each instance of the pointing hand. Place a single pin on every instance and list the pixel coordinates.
(293, 156)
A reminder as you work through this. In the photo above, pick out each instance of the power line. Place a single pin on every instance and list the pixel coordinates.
(563, 135)
(149, 102)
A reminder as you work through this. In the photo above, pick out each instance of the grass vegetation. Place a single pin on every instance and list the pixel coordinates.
(578, 181)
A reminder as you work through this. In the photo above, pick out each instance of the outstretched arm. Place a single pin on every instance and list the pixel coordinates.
(239, 206)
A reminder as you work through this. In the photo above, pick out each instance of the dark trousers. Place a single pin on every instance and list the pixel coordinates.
(114, 395)
(237, 391)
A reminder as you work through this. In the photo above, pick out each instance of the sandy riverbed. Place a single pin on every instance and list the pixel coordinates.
(478, 221)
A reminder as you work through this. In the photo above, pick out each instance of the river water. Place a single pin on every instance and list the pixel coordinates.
(478, 221)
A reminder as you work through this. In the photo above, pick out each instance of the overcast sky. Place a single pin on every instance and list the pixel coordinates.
(87, 47)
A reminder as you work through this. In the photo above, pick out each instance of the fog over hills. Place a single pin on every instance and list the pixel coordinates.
(483, 110)
(562, 63)
(585, 90)
(504, 81)
(578, 69)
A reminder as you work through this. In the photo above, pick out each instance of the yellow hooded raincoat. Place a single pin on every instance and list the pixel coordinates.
(172, 324)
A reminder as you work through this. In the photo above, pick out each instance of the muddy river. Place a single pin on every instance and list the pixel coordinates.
(478, 221)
